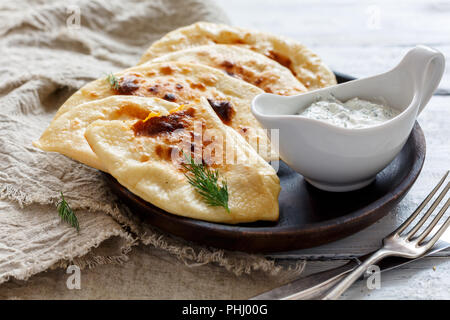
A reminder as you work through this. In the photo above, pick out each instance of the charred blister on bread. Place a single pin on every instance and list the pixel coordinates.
(134, 84)
(163, 124)
(223, 109)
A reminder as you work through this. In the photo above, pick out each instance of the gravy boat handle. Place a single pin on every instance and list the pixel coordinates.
(426, 66)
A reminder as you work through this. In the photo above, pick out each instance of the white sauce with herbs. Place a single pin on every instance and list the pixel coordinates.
(354, 113)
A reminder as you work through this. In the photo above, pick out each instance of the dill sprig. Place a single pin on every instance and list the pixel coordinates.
(205, 181)
(67, 214)
(113, 81)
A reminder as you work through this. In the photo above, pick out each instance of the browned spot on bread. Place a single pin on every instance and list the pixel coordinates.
(168, 90)
(127, 85)
(75, 124)
(281, 59)
(199, 86)
(262, 81)
(223, 109)
(167, 70)
(185, 70)
(158, 150)
(154, 89)
(163, 124)
(163, 152)
(93, 94)
(144, 158)
(169, 97)
(227, 64)
(228, 67)
(131, 110)
(209, 80)
(202, 53)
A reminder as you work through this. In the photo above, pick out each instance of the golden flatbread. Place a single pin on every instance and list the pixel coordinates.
(142, 155)
(182, 83)
(301, 61)
(241, 63)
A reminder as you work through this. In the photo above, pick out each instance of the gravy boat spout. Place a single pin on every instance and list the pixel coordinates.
(334, 158)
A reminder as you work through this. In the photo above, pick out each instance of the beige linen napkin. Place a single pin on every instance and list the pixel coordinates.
(48, 50)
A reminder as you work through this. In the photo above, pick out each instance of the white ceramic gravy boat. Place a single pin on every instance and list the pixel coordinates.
(340, 159)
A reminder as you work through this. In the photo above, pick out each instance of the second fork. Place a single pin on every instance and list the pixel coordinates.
(409, 244)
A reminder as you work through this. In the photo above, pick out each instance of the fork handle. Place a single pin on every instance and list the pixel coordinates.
(340, 288)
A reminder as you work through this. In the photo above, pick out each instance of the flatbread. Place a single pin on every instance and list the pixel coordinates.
(243, 64)
(182, 83)
(66, 133)
(139, 155)
(303, 63)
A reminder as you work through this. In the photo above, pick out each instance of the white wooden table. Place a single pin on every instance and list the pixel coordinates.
(362, 38)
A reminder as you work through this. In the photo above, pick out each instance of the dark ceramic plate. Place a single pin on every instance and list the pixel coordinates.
(308, 216)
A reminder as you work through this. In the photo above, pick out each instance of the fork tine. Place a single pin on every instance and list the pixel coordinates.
(421, 206)
(434, 222)
(438, 234)
(429, 212)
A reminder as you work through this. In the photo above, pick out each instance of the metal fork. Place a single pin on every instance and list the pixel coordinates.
(410, 244)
